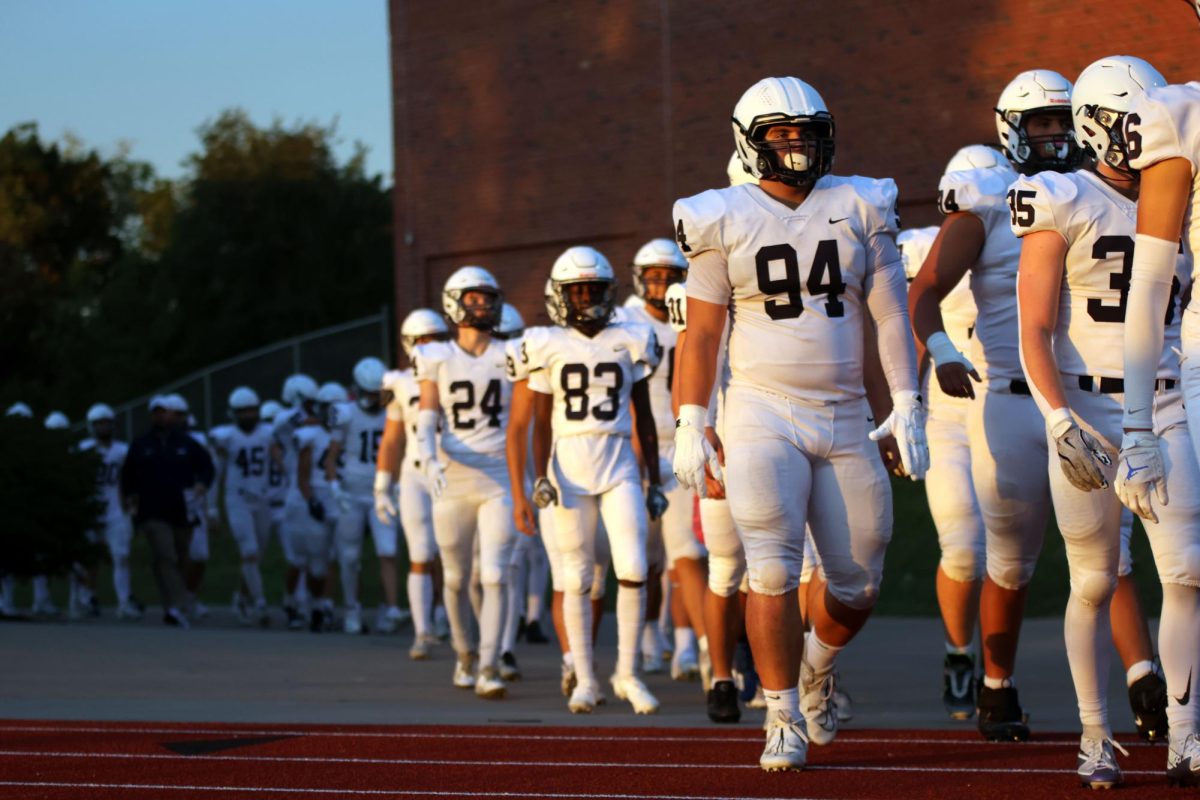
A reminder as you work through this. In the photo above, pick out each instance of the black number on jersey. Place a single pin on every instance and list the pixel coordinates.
(490, 404)
(368, 446)
(251, 460)
(825, 261)
(681, 237)
(675, 312)
(1022, 211)
(946, 201)
(275, 474)
(575, 379)
(1133, 137)
(1104, 247)
(108, 474)
(341, 460)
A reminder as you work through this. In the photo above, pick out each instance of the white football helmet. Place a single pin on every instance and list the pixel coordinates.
(270, 409)
(511, 324)
(736, 171)
(1103, 94)
(584, 265)
(552, 309)
(472, 279)
(1037, 91)
(368, 374)
(658, 253)
(57, 421)
(783, 101)
(176, 402)
(19, 409)
(243, 397)
(100, 411)
(974, 156)
(332, 392)
(419, 324)
(297, 389)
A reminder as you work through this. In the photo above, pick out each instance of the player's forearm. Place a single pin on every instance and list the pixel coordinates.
(516, 451)
(388, 459)
(331, 461)
(304, 474)
(1041, 368)
(698, 359)
(925, 309)
(647, 432)
(874, 381)
(542, 441)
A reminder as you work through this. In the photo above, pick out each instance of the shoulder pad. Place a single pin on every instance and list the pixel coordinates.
(698, 222)
(87, 444)
(1037, 201)
(914, 244)
(392, 379)
(1152, 126)
(974, 190)
(527, 354)
(340, 414)
(426, 359)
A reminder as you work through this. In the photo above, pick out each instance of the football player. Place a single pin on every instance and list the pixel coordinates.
(1005, 428)
(657, 266)
(1161, 133)
(1077, 233)
(357, 430)
(585, 464)
(415, 503)
(796, 418)
(118, 527)
(243, 450)
(463, 386)
(197, 510)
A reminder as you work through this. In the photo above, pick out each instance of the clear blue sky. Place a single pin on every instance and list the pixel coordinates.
(148, 72)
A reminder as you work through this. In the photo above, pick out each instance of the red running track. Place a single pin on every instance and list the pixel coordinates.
(182, 761)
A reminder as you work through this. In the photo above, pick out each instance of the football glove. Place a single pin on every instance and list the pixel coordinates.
(693, 451)
(435, 476)
(1079, 454)
(385, 507)
(1140, 469)
(544, 493)
(907, 424)
(316, 509)
(656, 502)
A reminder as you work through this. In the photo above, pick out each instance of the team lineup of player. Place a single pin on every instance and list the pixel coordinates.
(775, 366)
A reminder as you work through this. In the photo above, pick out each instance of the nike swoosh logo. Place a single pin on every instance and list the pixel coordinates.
(1133, 471)
(1187, 692)
(1133, 410)
(833, 221)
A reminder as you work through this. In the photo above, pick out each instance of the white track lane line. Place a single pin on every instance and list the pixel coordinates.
(372, 792)
(454, 762)
(846, 737)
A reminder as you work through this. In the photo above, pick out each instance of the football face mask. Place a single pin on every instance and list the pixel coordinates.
(794, 154)
(588, 305)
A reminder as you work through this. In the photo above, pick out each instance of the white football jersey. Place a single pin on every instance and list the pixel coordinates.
(108, 475)
(359, 432)
(1098, 224)
(958, 307)
(591, 378)
(1165, 123)
(247, 458)
(660, 381)
(318, 439)
(406, 397)
(795, 279)
(475, 397)
(995, 348)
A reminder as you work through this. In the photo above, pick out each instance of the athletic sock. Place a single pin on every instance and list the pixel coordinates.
(420, 601)
(999, 683)
(954, 650)
(348, 570)
(685, 642)
(631, 614)
(577, 617)
(651, 644)
(253, 578)
(1138, 671)
(458, 613)
(1178, 633)
(1087, 635)
(491, 622)
(514, 595)
(783, 700)
(818, 655)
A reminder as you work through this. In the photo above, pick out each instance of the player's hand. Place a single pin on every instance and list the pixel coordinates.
(523, 514)
(1079, 454)
(544, 493)
(1139, 470)
(385, 506)
(316, 509)
(340, 496)
(953, 369)
(656, 502)
(889, 452)
(907, 424)
(693, 451)
(435, 476)
(713, 488)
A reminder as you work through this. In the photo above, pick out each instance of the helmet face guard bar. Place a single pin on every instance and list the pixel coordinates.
(1031, 155)
(815, 150)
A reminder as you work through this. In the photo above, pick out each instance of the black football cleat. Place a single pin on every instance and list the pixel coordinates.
(723, 703)
(958, 685)
(1000, 716)
(1148, 701)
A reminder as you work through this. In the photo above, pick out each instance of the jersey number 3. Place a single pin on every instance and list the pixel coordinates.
(826, 260)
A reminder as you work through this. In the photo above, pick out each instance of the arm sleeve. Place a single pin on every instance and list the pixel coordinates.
(887, 300)
(1146, 307)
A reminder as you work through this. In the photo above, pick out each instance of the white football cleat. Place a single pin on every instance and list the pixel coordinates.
(509, 669)
(129, 612)
(422, 648)
(569, 681)
(199, 610)
(241, 608)
(685, 666)
(489, 685)
(352, 622)
(818, 704)
(787, 743)
(583, 699)
(464, 671)
(628, 687)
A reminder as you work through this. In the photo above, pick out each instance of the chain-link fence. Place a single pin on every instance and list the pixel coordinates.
(327, 354)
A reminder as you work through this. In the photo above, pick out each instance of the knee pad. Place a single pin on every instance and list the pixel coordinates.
(578, 575)
(492, 575)
(1010, 573)
(452, 577)
(855, 588)
(960, 564)
(1092, 587)
(725, 574)
(774, 578)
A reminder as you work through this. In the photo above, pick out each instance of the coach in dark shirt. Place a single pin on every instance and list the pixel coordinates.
(160, 465)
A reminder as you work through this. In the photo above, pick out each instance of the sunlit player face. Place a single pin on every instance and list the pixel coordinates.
(657, 280)
(479, 305)
(794, 146)
(586, 295)
(1049, 133)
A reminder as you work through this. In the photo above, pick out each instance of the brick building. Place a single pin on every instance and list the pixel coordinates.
(524, 126)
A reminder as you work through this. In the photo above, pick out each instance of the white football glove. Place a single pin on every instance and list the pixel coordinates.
(1079, 454)
(544, 493)
(435, 476)
(385, 507)
(907, 424)
(1140, 469)
(692, 450)
(340, 496)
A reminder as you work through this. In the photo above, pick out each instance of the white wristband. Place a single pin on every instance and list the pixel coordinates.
(941, 349)
(383, 481)
(1058, 421)
(427, 420)
(692, 415)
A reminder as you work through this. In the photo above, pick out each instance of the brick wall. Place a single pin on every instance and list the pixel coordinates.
(525, 126)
